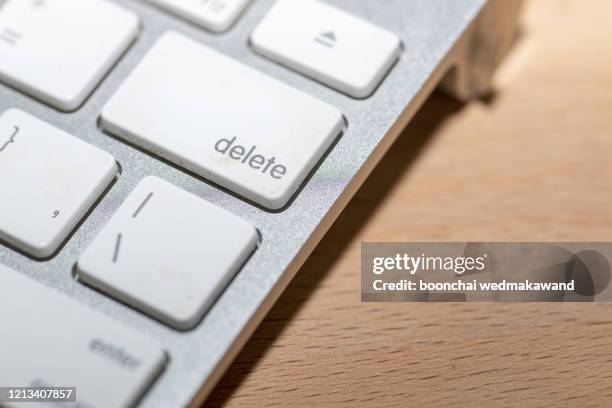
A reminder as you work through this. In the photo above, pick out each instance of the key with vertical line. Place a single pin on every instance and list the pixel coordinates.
(167, 253)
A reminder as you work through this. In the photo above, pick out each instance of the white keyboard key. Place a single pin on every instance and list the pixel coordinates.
(327, 44)
(214, 15)
(59, 50)
(222, 120)
(48, 181)
(167, 253)
(49, 340)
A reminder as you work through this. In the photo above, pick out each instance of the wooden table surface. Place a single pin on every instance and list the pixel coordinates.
(531, 164)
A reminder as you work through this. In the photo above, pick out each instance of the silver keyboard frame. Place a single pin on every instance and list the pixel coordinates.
(437, 36)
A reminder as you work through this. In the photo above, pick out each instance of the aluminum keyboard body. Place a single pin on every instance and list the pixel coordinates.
(430, 31)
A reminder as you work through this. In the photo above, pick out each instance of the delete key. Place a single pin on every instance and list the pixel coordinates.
(222, 120)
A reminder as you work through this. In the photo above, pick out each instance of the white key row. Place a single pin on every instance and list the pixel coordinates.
(191, 105)
(59, 50)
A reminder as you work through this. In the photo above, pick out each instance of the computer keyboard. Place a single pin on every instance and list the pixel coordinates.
(166, 166)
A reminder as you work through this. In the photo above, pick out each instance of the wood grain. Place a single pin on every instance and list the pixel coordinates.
(532, 163)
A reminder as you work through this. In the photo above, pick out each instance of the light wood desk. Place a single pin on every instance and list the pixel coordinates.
(532, 164)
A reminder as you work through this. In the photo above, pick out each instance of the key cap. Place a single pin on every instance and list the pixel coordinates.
(327, 44)
(222, 120)
(167, 253)
(59, 50)
(214, 15)
(48, 181)
(49, 340)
